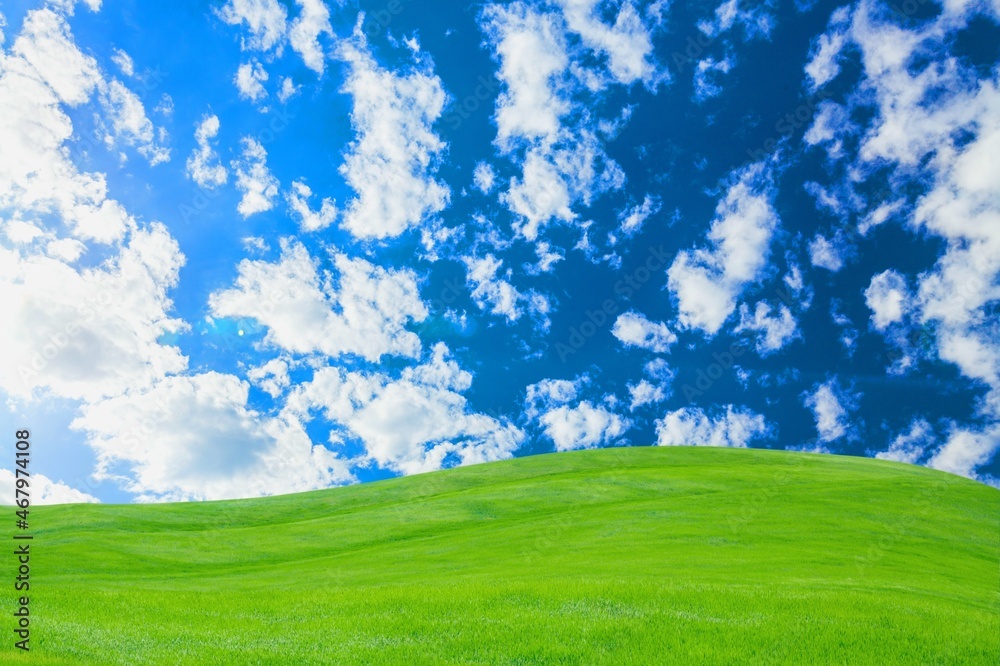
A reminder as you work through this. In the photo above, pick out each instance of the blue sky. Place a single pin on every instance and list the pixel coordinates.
(254, 247)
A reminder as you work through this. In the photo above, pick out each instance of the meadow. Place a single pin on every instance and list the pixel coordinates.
(641, 555)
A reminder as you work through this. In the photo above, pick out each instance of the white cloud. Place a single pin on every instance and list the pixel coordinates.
(265, 19)
(129, 123)
(272, 377)
(364, 313)
(756, 22)
(654, 390)
(691, 426)
(44, 491)
(707, 74)
(195, 438)
(936, 124)
(966, 450)
(888, 297)
(254, 180)
(203, 166)
(44, 70)
(95, 331)
(531, 49)
(910, 446)
(550, 393)
(554, 141)
(626, 43)
(288, 90)
(303, 34)
(634, 330)
(774, 331)
(249, 80)
(707, 282)
(583, 426)
(483, 177)
(825, 254)
(416, 423)
(492, 292)
(630, 220)
(310, 220)
(496, 294)
(830, 405)
(823, 66)
(392, 161)
(124, 62)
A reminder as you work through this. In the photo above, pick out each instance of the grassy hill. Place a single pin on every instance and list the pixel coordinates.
(621, 556)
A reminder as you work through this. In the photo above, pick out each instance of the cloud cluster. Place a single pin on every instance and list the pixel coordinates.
(268, 28)
(254, 179)
(633, 330)
(203, 166)
(416, 422)
(543, 124)
(44, 491)
(708, 281)
(692, 426)
(364, 312)
(391, 162)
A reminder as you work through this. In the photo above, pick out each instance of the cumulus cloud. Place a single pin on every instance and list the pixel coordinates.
(571, 423)
(582, 426)
(831, 406)
(633, 330)
(910, 446)
(495, 294)
(44, 491)
(254, 180)
(823, 65)
(707, 282)
(265, 20)
(826, 254)
(303, 33)
(250, 79)
(630, 220)
(773, 329)
(129, 124)
(203, 166)
(539, 126)
(43, 71)
(966, 450)
(548, 393)
(707, 75)
(95, 331)
(654, 388)
(692, 426)
(934, 125)
(124, 62)
(310, 220)
(365, 312)
(483, 177)
(415, 423)
(626, 43)
(195, 438)
(888, 297)
(392, 161)
(272, 377)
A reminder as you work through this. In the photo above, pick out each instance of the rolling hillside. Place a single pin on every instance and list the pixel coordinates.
(639, 556)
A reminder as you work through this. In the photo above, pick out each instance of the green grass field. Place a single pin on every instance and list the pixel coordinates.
(620, 556)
